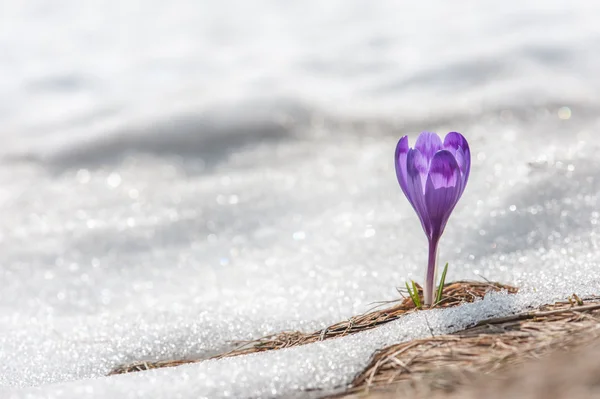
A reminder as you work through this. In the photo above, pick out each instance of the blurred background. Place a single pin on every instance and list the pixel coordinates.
(165, 163)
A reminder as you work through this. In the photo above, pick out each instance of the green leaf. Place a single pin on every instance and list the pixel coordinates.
(416, 299)
(438, 296)
(410, 294)
(414, 294)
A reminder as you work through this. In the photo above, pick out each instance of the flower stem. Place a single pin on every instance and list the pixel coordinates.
(430, 276)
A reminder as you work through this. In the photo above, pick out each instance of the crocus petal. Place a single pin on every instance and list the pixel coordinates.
(400, 161)
(455, 141)
(443, 189)
(421, 164)
(428, 144)
(415, 188)
(461, 161)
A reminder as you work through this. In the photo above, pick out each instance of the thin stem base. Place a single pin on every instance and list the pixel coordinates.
(429, 288)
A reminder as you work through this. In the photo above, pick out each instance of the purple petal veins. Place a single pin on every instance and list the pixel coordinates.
(428, 144)
(433, 175)
(416, 187)
(443, 190)
(401, 153)
(455, 142)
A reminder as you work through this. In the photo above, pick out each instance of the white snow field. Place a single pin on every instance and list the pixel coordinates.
(179, 175)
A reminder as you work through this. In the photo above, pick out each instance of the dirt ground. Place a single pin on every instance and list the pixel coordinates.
(572, 375)
(566, 375)
(550, 353)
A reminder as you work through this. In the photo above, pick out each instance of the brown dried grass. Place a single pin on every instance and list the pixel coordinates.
(445, 364)
(454, 294)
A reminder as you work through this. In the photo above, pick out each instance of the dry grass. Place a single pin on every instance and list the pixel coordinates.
(453, 294)
(444, 364)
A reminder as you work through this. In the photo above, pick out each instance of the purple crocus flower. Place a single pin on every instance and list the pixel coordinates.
(433, 175)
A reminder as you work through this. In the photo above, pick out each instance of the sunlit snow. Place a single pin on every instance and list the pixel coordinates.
(179, 175)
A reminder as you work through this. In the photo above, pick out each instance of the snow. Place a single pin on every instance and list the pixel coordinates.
(182, 175)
